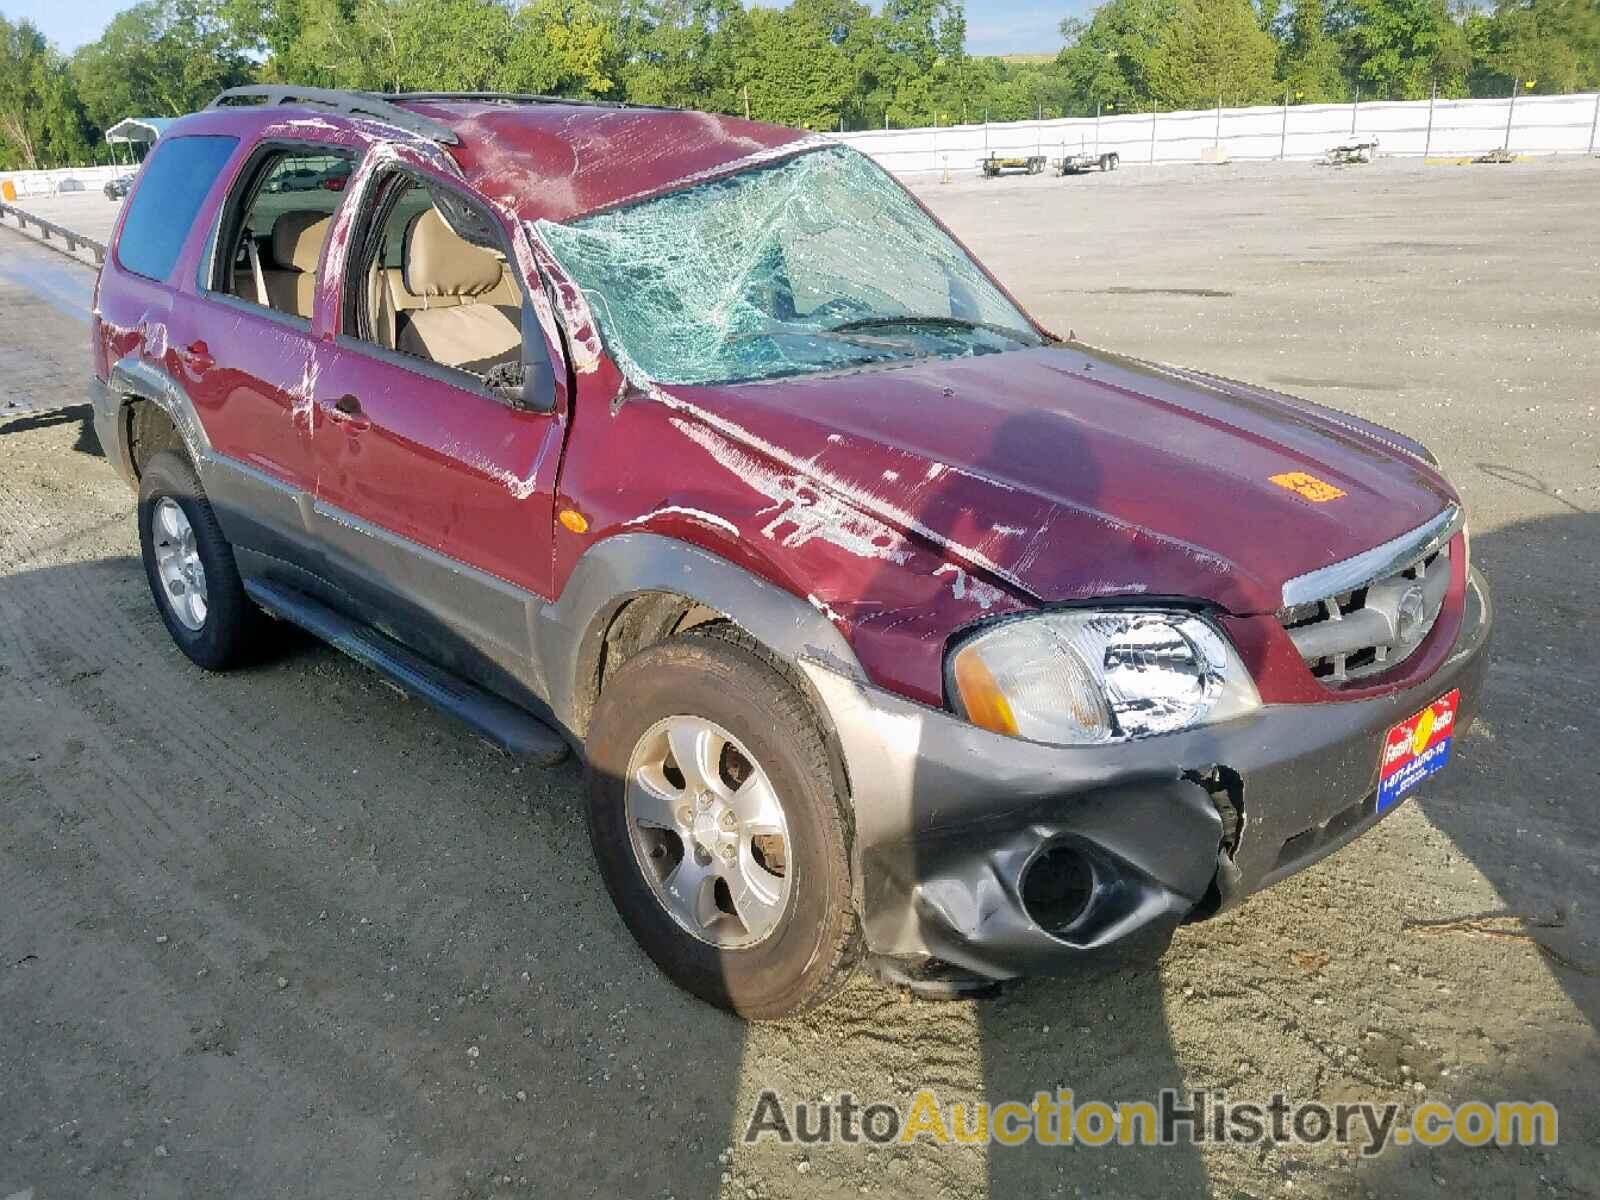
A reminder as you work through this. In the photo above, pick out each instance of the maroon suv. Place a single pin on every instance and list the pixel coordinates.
(886, 621)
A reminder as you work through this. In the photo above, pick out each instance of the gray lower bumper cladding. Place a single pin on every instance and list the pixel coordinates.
(1003, 858)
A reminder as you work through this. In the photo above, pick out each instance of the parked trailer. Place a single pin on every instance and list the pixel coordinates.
(1076, 164)
(997, 164)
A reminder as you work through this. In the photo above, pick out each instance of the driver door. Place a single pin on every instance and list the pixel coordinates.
(435, 493)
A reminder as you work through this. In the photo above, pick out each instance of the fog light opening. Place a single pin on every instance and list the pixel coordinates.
(1057, 888)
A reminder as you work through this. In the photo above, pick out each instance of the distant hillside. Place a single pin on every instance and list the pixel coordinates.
(1025, 60)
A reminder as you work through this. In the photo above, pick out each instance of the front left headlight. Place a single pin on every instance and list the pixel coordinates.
(1083, 677)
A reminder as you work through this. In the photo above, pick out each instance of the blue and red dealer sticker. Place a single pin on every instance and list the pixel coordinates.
(1415, 749)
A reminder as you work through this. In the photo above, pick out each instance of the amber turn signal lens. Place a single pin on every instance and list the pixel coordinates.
(985, 705)
(574, 520)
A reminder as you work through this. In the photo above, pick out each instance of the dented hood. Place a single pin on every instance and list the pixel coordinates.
(1071, 473)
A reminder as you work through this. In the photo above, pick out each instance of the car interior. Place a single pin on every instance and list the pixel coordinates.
(431, 293)
(284, 228)
(436, 296)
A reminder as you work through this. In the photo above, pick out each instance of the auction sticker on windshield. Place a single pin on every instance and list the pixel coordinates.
(1415, 749)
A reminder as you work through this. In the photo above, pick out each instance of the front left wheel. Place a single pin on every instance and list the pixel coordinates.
(191, 568)
(718, 826)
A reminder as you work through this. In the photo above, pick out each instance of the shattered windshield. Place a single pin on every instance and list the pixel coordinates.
(813, 264)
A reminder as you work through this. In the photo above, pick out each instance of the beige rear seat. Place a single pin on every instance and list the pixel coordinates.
(290, 272)
(297, 239)
(469, 331)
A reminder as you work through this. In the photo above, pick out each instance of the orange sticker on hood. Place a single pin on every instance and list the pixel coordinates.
(1307, 487)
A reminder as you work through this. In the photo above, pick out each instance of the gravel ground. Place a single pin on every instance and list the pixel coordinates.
(281, 932)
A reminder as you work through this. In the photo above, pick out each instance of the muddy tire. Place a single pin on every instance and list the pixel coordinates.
(729, 867)
(191, 570)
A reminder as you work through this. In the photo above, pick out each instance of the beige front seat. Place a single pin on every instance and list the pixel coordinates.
(472, 333)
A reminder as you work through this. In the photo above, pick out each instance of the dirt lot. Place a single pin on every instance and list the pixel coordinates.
(283, 933)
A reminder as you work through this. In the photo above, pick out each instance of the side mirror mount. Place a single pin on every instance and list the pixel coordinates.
(539, 387)
(530, 387)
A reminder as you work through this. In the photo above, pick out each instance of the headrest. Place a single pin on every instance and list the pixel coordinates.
(297, 239)
(439, 262)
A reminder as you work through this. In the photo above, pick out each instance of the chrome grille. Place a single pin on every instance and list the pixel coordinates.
(1370, 613)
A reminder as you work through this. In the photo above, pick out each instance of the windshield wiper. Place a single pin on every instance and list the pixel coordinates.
(934, 322)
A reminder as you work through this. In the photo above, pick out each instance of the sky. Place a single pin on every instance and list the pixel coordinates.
(993, 26)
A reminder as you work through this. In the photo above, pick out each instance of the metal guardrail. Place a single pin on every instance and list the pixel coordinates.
(49, 229)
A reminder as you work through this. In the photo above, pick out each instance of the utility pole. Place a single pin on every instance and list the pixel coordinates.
(1511, 111)
(1283, 133)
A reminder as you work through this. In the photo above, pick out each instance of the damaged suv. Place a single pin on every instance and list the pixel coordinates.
(888, 624)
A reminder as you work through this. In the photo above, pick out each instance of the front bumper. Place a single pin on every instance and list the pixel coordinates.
(950, 818)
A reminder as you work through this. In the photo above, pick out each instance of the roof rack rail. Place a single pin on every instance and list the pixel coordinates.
(509, 98)
(354, 104)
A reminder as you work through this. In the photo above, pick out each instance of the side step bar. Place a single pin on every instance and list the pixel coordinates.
(499, 722)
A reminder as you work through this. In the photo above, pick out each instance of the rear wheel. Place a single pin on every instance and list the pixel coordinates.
(718, 827)
(190, 567)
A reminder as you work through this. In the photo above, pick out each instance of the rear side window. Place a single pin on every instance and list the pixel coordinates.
(176, 180)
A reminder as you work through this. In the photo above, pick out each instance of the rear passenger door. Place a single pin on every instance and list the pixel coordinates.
(250, 355)
(435, 491)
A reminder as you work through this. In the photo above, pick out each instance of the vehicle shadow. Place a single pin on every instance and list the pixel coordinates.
(1101, 1029)
(1519, 805)
(285, 925)
(1523, 808)
(87, 443)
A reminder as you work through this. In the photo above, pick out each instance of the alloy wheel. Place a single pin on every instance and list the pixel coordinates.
(709, 832)
(183, 576)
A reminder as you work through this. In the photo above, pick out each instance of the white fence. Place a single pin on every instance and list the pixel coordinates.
(66, 179)
(1526, 125)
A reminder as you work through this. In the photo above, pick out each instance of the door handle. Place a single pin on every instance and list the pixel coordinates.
(348, 405)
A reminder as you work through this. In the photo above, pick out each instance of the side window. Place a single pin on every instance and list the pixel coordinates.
(175, 182)
(429, 292)
(277, 233)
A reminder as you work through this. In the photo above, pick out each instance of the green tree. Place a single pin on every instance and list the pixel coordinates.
(268, 28)
(1211, 51)
(334, 43)
(1311, 61)
(159, 58)
(850, 27)
(1109, 58)
(1552, 44)
(678, 52)
(449, 45)
(1398, 49)
(561, 47)
(792, 70)
(41, 121)
(922, 64)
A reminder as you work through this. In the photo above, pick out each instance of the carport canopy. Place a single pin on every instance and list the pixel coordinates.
(138, 129)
